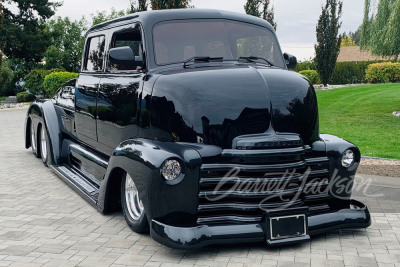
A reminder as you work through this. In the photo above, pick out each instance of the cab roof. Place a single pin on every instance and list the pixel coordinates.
(150, 18)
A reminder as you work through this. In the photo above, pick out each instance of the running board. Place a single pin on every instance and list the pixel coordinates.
(79, 183)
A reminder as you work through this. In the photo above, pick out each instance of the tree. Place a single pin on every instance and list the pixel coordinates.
(22, 34)
(347, 41)
(269, 14)
(356, 36)
(260, 8)
(1, 25)
(137, 6)
(169, 4)
(67, 39)
(103, 16)
(380, 33)
(328, 43)
(6, 78)
(252, 7)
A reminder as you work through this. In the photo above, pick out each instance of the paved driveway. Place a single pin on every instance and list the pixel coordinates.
(44, 222)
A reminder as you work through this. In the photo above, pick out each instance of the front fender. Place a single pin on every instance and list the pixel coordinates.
(341, 178)
(142, 159)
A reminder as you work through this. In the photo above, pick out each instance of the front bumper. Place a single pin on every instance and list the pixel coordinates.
(356, 216)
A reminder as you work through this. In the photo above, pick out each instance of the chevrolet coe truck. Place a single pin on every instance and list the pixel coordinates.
(192, 124)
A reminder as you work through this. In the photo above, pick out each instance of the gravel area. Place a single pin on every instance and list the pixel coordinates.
(381, 167)
(17, 105)
(322, 87)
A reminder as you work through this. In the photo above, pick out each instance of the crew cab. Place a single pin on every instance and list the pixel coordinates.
(192, 124)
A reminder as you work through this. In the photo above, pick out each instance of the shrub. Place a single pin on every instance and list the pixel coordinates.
(344, 72)
(305, 65)
(383, 72)
(34, 80)
(312, 75)
(25, 97)
(55, 80)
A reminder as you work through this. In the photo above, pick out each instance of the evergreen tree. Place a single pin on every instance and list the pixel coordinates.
(269, 14)
(328, 42)
(252, 7)
(23, 32)
(169, 4)
(260, 8)
(380, 33)
(137, 6)
(1, 25)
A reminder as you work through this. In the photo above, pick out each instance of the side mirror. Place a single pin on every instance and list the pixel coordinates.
(124, 56)
(290, 60)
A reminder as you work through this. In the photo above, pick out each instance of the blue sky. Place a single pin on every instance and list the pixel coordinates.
(296, 19)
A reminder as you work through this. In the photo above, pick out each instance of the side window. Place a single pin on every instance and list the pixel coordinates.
(95, 54)
(131, 38)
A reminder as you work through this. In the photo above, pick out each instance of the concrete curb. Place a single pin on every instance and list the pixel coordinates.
(382, 181)
(365, 157)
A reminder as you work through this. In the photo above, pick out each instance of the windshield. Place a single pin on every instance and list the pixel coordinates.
(178, 41)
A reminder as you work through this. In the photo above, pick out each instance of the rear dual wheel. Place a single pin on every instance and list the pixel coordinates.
(40, 144)
(34, 142)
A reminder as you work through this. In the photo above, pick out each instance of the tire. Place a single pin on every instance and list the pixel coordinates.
(34, 141)
(132, 206)
(45, 148)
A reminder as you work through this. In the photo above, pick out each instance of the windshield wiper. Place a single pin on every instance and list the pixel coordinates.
(202, 59)
(253, 59)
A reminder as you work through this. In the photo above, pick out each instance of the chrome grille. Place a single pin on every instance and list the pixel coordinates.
(256, 168)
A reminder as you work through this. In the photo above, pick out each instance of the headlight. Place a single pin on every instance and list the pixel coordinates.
(348, 158)
(171, 169)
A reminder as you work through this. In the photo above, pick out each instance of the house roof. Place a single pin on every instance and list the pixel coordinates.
(354, 53)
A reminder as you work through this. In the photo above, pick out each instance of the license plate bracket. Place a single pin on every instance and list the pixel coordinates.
(286, 226)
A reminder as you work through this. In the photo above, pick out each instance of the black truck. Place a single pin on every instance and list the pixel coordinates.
(190, 122)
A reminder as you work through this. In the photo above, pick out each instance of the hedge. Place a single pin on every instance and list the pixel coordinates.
(312, 75)
(55, 80)
(25, 97)
(383, 72)
(350, 72)
(344, 72)
(34, 80)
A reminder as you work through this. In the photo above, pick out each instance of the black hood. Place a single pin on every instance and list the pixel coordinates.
(214, 105)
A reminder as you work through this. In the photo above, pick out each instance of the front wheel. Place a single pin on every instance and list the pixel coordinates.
(132, 206)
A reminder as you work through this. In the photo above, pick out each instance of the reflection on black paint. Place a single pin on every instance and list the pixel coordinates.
(249, 121)
(118, 104)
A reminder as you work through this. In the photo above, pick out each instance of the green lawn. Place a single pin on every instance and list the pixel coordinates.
(363, 116)
(2, 98)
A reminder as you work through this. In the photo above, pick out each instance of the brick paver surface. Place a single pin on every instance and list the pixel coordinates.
(44, 222)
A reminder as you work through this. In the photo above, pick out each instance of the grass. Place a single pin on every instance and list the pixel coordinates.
(363, 116)
(2, 98)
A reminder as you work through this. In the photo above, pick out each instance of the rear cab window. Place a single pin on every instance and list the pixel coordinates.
(94, 56)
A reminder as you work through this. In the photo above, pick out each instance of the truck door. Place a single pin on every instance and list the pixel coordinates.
(117, 102)
(87, 89)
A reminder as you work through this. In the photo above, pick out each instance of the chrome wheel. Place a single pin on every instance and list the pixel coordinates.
(43, 143)
(133, 202)
(33, 141)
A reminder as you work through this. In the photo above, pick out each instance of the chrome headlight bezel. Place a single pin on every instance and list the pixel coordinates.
(348, 158)
(172, 171)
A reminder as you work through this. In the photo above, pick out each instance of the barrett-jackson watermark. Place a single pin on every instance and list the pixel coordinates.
(289, 188)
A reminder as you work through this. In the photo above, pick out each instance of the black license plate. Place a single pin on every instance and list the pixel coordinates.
(288, 226)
